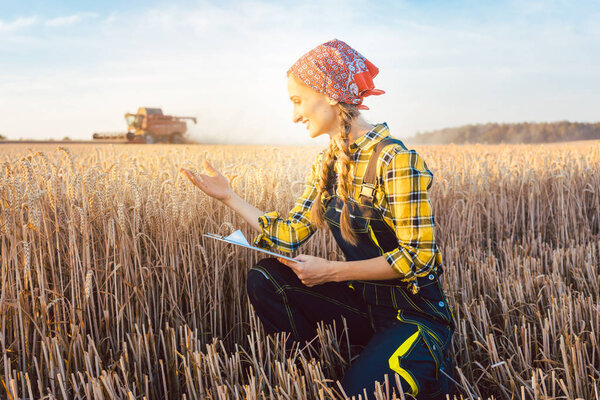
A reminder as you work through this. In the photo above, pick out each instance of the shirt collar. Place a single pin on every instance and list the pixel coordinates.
(370, 138)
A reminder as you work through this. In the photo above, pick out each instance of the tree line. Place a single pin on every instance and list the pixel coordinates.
(523, 132)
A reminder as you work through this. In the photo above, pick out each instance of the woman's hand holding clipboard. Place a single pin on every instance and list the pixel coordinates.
(239, 239)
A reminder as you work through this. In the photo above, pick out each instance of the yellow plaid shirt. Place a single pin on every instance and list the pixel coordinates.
(401, 196)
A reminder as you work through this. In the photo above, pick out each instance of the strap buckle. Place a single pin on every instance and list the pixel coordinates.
(367, 190)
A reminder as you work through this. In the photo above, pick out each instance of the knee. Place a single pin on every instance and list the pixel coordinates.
(268, 263)
(258, 281)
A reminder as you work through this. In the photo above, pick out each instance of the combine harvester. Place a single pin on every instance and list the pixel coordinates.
(150, 126)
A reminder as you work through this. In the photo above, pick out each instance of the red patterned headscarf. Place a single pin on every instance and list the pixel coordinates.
(338, 71)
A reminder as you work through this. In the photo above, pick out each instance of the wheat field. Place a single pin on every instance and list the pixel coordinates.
(108, 289)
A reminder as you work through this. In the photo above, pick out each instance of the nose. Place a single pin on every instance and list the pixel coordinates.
(296, 117)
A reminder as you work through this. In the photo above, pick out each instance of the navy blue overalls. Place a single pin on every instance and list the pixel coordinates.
(404, 333)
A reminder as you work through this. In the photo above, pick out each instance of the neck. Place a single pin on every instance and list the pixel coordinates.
(359, 128)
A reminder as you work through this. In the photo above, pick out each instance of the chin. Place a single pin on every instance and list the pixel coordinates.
(314, 134)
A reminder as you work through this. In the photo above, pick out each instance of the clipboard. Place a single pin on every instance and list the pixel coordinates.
(239, 239)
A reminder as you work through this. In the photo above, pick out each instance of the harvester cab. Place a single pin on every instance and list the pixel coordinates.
(150, 125)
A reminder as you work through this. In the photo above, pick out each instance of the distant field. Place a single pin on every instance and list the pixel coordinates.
(59, 142)
(408, 141)
(108, 290)
(520, 132)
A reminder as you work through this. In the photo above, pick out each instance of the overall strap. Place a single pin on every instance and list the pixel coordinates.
(369, 183)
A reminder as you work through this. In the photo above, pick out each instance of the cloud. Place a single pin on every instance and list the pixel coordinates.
(18, 24)
(23, 23)
(226, 65)
(69, 19)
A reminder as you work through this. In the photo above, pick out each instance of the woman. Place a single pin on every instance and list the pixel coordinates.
(373, 194)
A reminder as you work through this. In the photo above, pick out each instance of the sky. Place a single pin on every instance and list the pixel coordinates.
(72, 68)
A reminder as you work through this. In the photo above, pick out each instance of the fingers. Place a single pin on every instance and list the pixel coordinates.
(199, 182)
(201, 178)
(286, 262)
(209, 167)
(301, 257)
(298, 270)
(187, 173)
(291, 264)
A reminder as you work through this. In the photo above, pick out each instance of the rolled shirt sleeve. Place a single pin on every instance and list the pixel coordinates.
(406, 181)
(287, 234)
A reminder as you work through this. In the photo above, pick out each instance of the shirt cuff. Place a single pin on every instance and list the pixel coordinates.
(265, 221)
(401, 262)
(262, 241)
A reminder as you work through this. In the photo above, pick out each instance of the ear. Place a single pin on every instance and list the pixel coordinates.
(331, 102)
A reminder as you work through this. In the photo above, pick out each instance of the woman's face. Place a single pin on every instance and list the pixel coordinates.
(314, 109)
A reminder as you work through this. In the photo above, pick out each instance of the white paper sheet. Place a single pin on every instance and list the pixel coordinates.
(238, 238)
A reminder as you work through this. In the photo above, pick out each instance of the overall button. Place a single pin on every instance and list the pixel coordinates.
(431, 277)
(441, 304)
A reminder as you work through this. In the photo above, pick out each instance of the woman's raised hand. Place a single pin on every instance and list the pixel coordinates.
(214, 184)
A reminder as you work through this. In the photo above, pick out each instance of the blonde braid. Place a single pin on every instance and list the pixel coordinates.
(338, 147)
(316, 212)
(347, 113)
